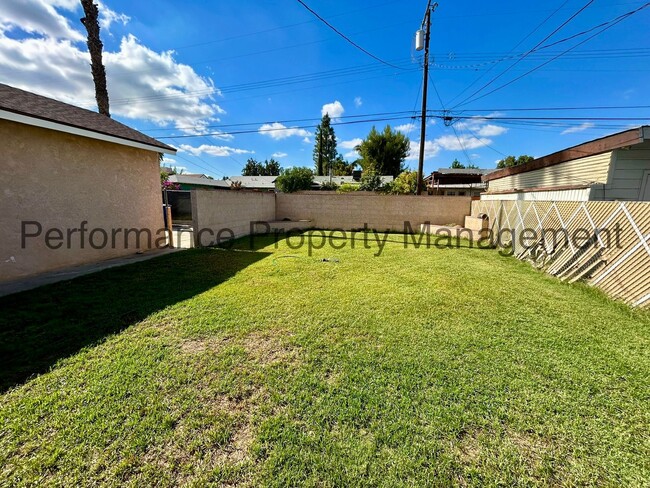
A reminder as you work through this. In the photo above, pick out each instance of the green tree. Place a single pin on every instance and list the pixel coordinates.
(370, 182)
(295, 179)
(406, 183)
(458, 165)
(324, 146)
(272, 167)
(341, 167)
(267, 168)
(511, 161)
(252, 168)
(384, 152)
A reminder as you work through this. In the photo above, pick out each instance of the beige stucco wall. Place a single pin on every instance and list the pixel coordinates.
(382, 212)
(225, 214)
(60, 180)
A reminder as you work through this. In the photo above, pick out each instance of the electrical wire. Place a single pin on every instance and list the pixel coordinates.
(350, 41)
(539, 26)
(609, 26)
(537, 46)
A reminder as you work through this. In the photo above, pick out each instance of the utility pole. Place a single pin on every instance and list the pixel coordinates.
(426, 27)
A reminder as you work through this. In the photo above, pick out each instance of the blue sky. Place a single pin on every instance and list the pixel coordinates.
(211, 77)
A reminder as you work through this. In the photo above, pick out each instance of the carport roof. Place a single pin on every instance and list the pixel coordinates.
(29, 108)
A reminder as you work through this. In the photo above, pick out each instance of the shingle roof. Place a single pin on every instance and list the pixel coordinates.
(464, 171)
(197, 180)
(29, 104)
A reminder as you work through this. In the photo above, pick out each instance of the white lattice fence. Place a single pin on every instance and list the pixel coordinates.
(606, 244)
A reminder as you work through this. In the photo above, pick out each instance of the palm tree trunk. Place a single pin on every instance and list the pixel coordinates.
(95, 47)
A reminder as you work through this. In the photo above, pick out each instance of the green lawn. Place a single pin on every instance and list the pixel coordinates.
(271, 367)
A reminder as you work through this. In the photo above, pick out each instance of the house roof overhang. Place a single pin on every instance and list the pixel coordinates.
(598, 146)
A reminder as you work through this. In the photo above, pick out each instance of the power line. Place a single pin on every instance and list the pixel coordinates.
(614, 22)
(564, 24)
(346, 37)
(274, 129)
(287, 121)
(516, 46)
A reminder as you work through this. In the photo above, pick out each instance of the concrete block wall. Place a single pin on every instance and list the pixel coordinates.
(329, 210)
(221, 214)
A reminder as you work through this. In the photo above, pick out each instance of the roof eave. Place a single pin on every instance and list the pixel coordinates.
(592, 148)
(69, 129)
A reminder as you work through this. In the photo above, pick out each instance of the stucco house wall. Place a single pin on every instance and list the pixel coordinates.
(60, 180)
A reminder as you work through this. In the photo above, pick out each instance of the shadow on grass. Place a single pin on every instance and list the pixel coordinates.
(39, 327)
(334, 240)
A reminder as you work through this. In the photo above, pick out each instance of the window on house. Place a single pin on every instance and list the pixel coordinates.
(461, 193)
(451, 193)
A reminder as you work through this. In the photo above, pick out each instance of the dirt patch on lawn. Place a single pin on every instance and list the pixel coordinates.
(531, 448)
(268, 348)
(197, 346)
(468, 448)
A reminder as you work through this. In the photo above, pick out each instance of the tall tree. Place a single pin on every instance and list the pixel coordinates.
(510, 161)
(272, 167)
(324, 146)
(252, 168)
(384, 152)
(95, 47)
(458, 165)
(267, 168)
(341, 167)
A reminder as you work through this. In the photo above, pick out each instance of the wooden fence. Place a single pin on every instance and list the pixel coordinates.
(606, 244)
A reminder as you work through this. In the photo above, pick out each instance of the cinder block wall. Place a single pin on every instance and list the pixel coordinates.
(221, 214)
(61, 180)
(382, 212)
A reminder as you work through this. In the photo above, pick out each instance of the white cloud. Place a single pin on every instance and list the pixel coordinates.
(218, 151)
(40, 17)
(108, 16)
(142, 84)
(279, 155)
(307, 140)
(431, 149)
(351, 144)
(279, 131)
(579, 128)
(490, 130)
(405, 128)
(358, 102)
(453, 143)
(334, 109)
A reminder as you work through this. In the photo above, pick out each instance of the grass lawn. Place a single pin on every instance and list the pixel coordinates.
(271, 367)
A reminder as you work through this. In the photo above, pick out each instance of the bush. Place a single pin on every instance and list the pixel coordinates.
(295, 179)
(347, 188)
(327, 186)
(370, 182)
(404, 184)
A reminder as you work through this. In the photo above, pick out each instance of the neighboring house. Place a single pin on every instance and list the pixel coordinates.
(457, 182)
(63, 190)
(341, 180)
(266, 183)
(616, 167)
(191, 182)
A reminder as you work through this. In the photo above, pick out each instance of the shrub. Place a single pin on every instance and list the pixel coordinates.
(295, 179)
(327, 186)
(347, 188)
(370, 182)
(404, 184)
